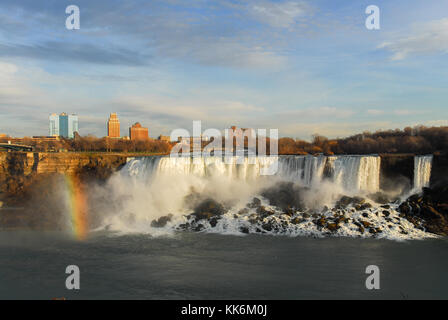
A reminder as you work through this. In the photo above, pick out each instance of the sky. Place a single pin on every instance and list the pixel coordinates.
(303, 67)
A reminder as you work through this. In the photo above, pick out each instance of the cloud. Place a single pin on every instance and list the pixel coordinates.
(316, 113)
(375, 112)
(396, 112)
(407, 112)
(441, 123)
(208, 33)
(331, 129)
(226, 52)
(58, 51)
(424, 39)
(281, 14)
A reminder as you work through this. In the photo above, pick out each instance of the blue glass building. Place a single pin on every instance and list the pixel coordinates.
(63, 125)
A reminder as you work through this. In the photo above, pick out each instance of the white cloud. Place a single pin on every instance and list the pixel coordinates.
(332, 129)
(375, 112)
(427, 38)
(318, 113)
(226, 52)
(407, 112)
(281, 15)
(437, 123)
(397, 112)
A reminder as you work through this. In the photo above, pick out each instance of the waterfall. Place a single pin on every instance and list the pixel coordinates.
(233, 167)
(305, 170)
(352, 173)
(355, 173)
(148, 188)
(422, 171)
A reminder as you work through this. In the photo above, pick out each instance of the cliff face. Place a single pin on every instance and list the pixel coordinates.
(19, 169)
(30, 185)
(34, 162)
(396, 170)
(439, 173)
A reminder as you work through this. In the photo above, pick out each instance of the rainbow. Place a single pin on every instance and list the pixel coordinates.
(77, 203)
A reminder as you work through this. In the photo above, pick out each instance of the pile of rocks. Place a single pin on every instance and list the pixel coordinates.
(428, 210)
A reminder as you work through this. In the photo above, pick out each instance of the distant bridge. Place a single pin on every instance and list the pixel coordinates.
(15, 147)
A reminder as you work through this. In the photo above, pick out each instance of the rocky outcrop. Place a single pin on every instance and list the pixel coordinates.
(284, 195)
(162, 221)
(429, 210)
(351, 216)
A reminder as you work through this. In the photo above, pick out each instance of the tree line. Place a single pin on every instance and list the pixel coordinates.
(91, 143)
(417, 140)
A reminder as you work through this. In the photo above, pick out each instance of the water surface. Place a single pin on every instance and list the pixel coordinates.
(213, 266)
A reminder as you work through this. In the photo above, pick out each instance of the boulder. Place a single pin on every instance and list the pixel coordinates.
(267, 226)
(360, 227)
(213, 222)
(321, 222)
(244, 229)
(289, 211)
(207, 209)
(363, 206)
(428, 210)
(366, 224)
(255, 203)
(284, 195)
(332, 227)
(263, 212)
(380, 197)
(161, 222)
(345, 201)
(297, 220)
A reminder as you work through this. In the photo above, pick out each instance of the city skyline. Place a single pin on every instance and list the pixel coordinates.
(302, 67)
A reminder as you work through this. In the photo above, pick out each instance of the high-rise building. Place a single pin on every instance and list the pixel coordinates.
(113, 126)
(137, 132)
(68, 125)
(63, 125)
(54, 124)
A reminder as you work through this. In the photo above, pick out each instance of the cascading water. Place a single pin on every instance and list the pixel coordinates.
(352, 173)
(304, 170)
(150, 188)
(232, 167)
(357, 173)
(422, 171)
